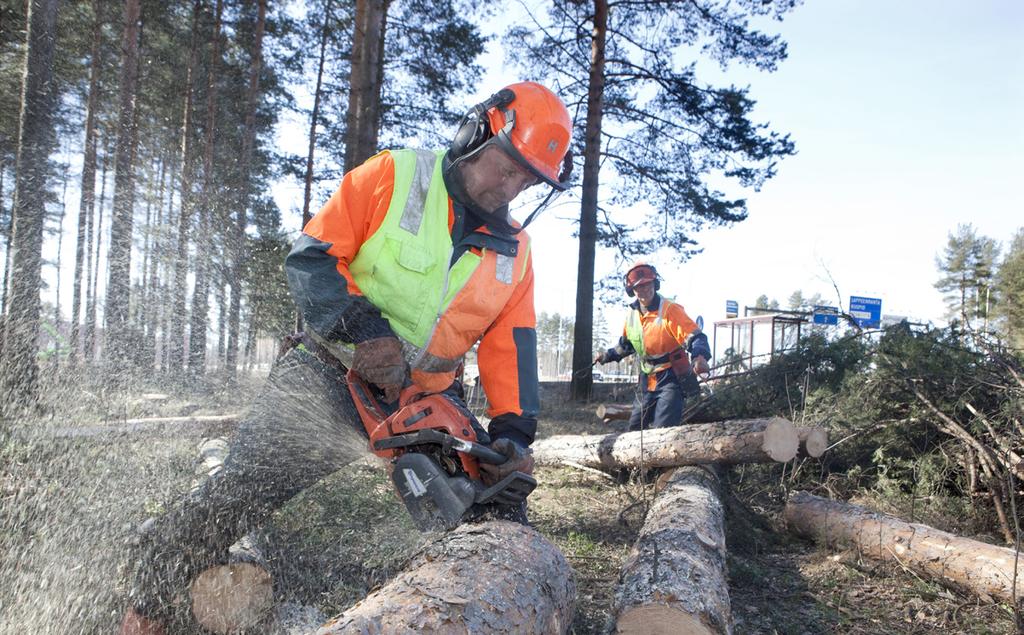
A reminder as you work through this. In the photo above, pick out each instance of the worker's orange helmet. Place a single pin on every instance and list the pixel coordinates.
(641, 273)
(529, 122)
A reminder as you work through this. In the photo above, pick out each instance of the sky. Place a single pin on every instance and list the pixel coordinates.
(908, 118)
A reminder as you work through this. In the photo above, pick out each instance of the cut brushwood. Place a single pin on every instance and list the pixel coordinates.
(742, 441)
(674, 581)
(813, 441)
(614, 412)
(985, 570)
(495, 577)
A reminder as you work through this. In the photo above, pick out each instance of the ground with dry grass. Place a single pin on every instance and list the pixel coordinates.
(70, 507)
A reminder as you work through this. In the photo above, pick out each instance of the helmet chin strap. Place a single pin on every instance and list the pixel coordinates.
(496, 221)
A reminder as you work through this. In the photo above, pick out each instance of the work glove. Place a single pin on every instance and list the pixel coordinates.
(601, 357)
(380, 362)
(700, 365)
(519, 459)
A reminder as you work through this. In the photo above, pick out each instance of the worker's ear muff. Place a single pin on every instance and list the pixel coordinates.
(475, 128)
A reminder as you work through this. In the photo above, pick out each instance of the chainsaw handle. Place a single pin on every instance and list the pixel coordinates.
(485, 454)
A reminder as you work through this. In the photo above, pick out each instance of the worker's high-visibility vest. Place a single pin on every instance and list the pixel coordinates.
(402, 269)
(635, 335)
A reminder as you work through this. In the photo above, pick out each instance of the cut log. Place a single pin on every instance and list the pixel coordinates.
(493, 577)
(614, 412)
(232, 598)
(813, 441)
(674, 581)
(967, 565)
(744, 441)
(198, 424)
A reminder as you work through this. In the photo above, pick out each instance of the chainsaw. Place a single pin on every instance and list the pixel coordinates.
(435, 456)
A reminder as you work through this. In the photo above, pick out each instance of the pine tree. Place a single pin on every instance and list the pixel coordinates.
(633, 55)
(1010, 286)
(35, 142)
(967, 266)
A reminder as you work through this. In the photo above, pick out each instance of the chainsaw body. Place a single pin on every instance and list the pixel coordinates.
(435, 456)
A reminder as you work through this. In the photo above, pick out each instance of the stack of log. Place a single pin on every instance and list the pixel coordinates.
(501, 577)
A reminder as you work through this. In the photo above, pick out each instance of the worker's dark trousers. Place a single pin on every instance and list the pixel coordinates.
(302, 427)
(658, 408)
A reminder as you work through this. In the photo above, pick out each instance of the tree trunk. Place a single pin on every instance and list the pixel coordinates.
(365, 80)
(156, 306)
(674, 580)
(35, 140)
(746, 441)
(204, 253)
(116, 314)
(986, 570)
(583, 340)
(176, 328)
(7, 254)
(196, 424)
(313, 120)
(495, 577)
(57, 264)
(87, 201)
(248, 140)
(92, 299)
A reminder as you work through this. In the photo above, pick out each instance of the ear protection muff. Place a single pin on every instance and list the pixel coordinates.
(475, 128)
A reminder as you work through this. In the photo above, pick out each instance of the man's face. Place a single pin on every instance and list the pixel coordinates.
(644, 293)
(493, 179)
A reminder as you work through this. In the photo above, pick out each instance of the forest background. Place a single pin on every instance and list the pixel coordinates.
(158, 158)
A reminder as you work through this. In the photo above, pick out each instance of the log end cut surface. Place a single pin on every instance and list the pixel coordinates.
(660, 620)
(232, 597)
(813, 441)
(780, 440)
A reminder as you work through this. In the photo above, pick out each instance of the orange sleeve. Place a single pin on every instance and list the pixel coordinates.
(354, 212)
(507, 356)
(680, 324)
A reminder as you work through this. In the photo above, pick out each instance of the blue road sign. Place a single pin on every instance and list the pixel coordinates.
(866, 311)
(824, 314)
(732, 308)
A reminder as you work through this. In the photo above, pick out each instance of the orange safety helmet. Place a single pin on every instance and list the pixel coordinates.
(641, 273)
(529, 122)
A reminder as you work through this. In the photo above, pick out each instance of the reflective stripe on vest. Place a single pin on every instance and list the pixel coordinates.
(403, 268)
(635, 335)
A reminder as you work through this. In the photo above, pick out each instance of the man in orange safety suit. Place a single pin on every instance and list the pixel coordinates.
(412, 261)
(664, 339)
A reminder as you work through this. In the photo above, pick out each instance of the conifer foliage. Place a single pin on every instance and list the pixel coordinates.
(631, 70)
